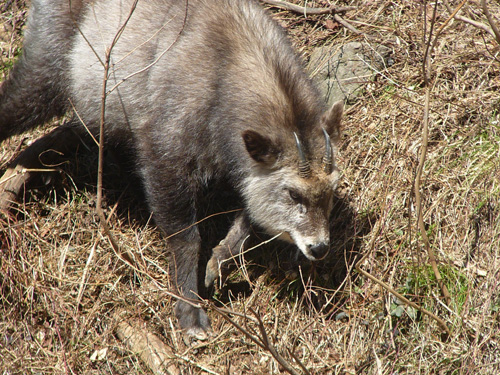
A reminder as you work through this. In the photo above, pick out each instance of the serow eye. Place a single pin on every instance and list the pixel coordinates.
(295, 196)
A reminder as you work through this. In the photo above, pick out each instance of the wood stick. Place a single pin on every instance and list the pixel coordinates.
(150, 349)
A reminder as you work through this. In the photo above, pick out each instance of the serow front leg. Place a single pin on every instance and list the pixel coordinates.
(226, 253)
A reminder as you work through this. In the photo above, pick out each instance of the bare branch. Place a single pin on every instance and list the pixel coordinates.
(348, 26)
(477, 24)
(427, 67)
(306, 10)
(270, 347)
(335, 11)
(491, 21)
(403, 299)
(100, 212)
(262, 341)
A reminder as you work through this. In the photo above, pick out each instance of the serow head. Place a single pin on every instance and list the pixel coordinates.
(290, 187)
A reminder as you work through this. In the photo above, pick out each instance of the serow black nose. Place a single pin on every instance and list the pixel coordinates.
(319, 251)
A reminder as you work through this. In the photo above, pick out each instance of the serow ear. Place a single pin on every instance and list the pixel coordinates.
(260, 148)
(332, 119)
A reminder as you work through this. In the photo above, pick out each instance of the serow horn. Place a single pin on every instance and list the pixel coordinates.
(304, 166)
(328, 157)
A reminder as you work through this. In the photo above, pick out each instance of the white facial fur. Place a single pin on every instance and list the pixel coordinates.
(282, 202)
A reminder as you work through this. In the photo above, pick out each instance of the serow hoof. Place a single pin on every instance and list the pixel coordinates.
(212, 272)
(194, 321)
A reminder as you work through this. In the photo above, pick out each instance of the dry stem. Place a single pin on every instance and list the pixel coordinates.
(335, 11)
(491, 21)
(427, 66)
(306, 10)
(493, 30)
(262, 341)
(403, 299)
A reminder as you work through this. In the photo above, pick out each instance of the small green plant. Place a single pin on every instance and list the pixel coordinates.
(421, 283)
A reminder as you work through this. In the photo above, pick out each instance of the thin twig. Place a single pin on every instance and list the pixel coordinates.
(477, 24)
(202, 220)
(491, 21)
(348, 26)
(83, 122)
(403, 299)
(77, 26)
(159, 57)
(335, 11)
(426, 71)
(262, 341)
(306, 10)
(270, 347)
(99, 210)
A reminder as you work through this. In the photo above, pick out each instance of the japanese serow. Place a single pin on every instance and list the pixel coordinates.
(201, 91)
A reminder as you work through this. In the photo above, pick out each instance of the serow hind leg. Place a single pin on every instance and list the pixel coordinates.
(38, 156)
(226, 253)
(175, 215)
(184, 270)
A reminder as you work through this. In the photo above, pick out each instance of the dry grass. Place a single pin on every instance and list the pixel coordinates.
(61, 284)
